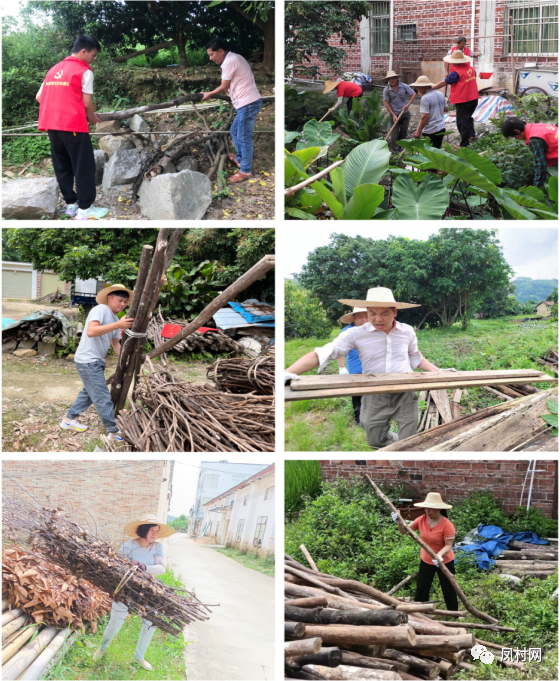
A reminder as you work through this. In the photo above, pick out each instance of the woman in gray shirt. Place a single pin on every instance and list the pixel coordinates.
(143, 550)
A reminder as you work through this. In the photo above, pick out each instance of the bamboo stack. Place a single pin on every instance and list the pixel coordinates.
(343, 629)
(528, 560)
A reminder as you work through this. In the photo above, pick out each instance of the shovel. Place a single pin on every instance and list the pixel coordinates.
(391, 130)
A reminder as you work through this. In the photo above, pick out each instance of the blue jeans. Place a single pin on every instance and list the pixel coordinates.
(96, 392)
(242, 134)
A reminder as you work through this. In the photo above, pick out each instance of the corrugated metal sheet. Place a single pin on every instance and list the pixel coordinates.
(254, 311)
(228, 318)
(435, 70)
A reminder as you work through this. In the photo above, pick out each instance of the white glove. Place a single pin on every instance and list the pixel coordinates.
(395, 517)
(342, 370)
(435, 562)
(451, 369)
(290, 377)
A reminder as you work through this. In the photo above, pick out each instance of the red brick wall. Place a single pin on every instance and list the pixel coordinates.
(455, 479)
(108, 494)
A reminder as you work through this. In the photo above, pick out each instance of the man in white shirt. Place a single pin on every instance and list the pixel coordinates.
(384, 346)
(238, 78)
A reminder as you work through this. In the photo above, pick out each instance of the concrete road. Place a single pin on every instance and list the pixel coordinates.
(237, 642)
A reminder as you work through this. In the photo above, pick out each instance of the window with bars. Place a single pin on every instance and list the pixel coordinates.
(379, 27)
(406, 32)
(259, 531)
(534, 26)
(239, 531)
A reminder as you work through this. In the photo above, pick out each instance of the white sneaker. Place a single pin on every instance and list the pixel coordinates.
(73, 425)
(91, 213)
(143, 663)
(98, 654)
(117, 437)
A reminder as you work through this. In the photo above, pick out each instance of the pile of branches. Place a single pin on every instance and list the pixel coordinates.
(176, 416)
(46, 330)
(550, 360)
(86, 556)
(243, 375)
(50, 297)
(50, 593)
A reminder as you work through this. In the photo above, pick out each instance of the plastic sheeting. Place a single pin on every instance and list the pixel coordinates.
(241, 315)
(6, 322)
(490, 541)
(68, 328)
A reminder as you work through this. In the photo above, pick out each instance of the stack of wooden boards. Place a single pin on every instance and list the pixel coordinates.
(528, 560)
(343, 629)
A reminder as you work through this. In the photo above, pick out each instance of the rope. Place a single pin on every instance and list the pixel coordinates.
(135, 334)
(124, 580)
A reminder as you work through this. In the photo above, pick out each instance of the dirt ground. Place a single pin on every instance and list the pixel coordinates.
(18, 309)
(37, 391)
(250, 200)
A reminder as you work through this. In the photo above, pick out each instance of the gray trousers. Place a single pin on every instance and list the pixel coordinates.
(378, 410)
(119, 611)
(400, 131)
(96, 392)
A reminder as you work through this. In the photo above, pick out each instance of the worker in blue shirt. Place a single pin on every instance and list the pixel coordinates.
(357, 317)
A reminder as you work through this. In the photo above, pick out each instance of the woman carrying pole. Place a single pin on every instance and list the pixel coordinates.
(145, 552)
(438, 532)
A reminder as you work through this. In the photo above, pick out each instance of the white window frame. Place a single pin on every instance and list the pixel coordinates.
(528, 4)
(239, 531)
(407, 40)
(260, 529)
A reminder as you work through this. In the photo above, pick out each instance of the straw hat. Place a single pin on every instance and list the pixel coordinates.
(457, 58)
(148, 519)
(330, 85)
(433, 500)
(378, 297)
(349, 317)
(423, 81)
(101, 297)
(391, 74)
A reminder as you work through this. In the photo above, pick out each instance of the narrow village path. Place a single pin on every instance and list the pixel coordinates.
(237, 642)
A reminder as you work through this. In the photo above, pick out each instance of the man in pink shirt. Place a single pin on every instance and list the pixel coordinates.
(238, 78)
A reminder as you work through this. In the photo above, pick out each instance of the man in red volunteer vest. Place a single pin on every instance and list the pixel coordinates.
(542, 140)
(343, 89)
(65, 107)
(463, 93)
(461, 44)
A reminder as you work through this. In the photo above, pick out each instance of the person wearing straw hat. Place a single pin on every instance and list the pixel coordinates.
(463, 93)
(384, 346)
(461, 44)
(147, 554)
(394, 99)
(438, 532)
(101, 331)
(343, 89)
(432, 108)
(353, 365)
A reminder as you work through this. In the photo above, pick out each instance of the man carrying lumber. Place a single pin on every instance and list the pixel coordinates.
(353, 365)
(238, 78)
(65, 107)
(542, 140)
(394, 99)
(102, 329)
(384, 346)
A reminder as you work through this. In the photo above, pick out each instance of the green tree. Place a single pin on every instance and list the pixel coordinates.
(310, 25)
(180, 524)
(500, 303)
(9, 253)
(554, 297)
(304, 316)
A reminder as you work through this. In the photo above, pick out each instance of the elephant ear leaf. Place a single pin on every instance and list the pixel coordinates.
(366, 164)
(365, 199)
(425, 201)
(486, 167)
(459, 168)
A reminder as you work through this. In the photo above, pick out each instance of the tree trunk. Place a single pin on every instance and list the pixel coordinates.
(383, 618)
(313, 602)
(445, 643)
(416, 664)
(268, 49)
(524, 546)
(347, 673)
(154, 48)
(404, 582)
(183, 61)
(294, 629)
(328, 657)
(357, 660)
(308, 646)
(363, 635)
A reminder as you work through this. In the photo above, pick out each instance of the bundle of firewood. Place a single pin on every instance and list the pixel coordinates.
(550, 360)
(243, 375)
(50, 297)
(343, 629)
(86, 556)
(46, 329)
(210, 342)
(528, 560)
(48, 593)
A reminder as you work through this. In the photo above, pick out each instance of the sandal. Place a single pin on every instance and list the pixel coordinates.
(231, 157)
(239, 177)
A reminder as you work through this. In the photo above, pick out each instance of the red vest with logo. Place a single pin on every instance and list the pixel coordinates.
(62, 106)
(549, 133)
(465, 89)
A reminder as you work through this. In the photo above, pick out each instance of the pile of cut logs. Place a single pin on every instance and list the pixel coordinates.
(550, 360)
(210, 342)
(528, 560)
(46, 330)
(50, 297)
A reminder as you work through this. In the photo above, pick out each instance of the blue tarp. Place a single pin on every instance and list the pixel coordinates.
(495, 541)
(247, 309)
(7, 322)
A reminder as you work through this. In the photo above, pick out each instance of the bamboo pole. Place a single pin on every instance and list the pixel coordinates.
(12, 648)
(308, 558)
(11, 615)
(468, 605)
(37, 667)
(310, 180)
(404, 582)
(26, 655)
(394, 124)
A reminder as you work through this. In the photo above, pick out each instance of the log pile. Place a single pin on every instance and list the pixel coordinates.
(86, 556)
(46, 330)
(550, 360)
(50, 298)
(48, 593)
(244, 375)
(168, 414)
(528, 560)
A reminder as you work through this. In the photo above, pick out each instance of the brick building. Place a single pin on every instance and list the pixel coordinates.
(412, 37)
(100, 494)
(455, 479)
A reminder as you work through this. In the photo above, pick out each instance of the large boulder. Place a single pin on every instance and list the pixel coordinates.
(187, 163)
(121, 170)
(46, 348)
(169, 168)
(137, 124)
(27, 344)
(111, 144)
(29, 199)
(108, 127)
(8, 347)
(176, 196)
(25, 353)
(101, 159)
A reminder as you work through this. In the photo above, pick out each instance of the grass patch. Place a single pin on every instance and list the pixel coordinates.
(328, 425)
(251, 560)
(165, 654)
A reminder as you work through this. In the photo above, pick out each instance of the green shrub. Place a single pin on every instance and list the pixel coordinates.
(513, 157)
(301, 106)
(22, 150)
(304, 316)
(301, 479)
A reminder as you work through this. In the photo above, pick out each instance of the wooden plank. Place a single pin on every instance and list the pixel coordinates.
(294, 395)
(456, 406)
(318, 382)
(442, 403)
